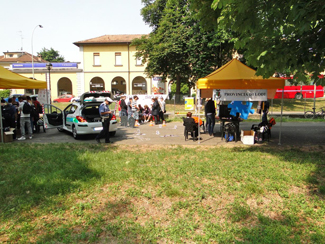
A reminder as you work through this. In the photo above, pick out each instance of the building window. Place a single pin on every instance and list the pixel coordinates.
(138, 61)
(118, 59)
(96, 59)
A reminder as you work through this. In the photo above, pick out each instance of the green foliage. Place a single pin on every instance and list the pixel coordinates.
(278, 36)
(51, 55)
(4, 93)
(184, 88)
(178, 48)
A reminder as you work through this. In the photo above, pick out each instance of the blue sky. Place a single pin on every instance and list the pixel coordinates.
(65, 22)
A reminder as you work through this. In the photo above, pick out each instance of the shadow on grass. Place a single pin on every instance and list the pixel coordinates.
(287, 230)
(103, 228)
(314, 155)
(287, 227)
(34, 177)
(31, 175)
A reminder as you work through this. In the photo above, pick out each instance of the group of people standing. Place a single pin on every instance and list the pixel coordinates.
(22, 115)
(133, 110)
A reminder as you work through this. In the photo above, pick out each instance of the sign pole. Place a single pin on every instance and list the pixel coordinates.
(199, 106)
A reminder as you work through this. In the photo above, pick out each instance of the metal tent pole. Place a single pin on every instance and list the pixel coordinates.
(281, 118)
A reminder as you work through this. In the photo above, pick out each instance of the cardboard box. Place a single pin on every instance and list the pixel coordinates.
(247, 137)
(7, 137)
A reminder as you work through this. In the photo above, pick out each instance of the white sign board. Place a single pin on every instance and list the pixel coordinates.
(158, 86)
(44, 98)
(243, 95)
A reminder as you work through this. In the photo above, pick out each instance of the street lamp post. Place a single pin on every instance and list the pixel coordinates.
(40, 26)
(49, 67)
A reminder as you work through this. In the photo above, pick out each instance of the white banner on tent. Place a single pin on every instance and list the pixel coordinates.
(243, 95)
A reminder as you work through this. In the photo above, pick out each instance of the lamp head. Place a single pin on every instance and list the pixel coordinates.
(40, 26)
(49, 66)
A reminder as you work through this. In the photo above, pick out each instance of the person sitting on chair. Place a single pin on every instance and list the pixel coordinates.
(190, 125)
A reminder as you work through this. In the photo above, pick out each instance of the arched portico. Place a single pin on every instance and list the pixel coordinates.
(139, 85)
(64, 86)
(118, 85)
(97, 84)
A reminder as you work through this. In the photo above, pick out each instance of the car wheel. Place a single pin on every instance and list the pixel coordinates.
(75, 133)
(299, 96)
(112, 133)
(55, 101)
(60, 129)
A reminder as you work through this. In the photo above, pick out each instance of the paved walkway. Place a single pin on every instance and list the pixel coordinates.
(298, 134)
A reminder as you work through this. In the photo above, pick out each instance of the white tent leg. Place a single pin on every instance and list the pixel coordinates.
(281, 118)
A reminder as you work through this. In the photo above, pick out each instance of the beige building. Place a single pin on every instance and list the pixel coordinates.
(109, 63)
(106, 63)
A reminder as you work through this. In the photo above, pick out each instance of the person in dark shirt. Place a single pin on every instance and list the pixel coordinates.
(155, 109)
(190, 125)
(265, 108)
(124, 109)
(106, 115)
(210, 114)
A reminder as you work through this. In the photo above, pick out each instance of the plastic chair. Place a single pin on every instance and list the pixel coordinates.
(189, 128)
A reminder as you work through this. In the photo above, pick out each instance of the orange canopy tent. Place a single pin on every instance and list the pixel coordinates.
(236, 75)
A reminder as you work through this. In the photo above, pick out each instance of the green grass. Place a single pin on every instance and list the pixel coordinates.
(87, 193)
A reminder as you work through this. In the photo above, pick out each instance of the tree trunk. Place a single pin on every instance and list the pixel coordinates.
(178, 89)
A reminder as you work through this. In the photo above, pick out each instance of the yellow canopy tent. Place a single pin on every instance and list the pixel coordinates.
(236, 75)
(10, 80)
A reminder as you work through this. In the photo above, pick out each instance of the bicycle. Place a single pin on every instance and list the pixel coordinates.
(313, 114)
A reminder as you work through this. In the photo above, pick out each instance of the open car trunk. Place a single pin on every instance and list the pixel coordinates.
(91, 113)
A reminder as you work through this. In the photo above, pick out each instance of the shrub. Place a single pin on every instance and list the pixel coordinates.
(4, 93)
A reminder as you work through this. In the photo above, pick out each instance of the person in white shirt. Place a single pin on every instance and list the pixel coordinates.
(162, 109)
(24, 121)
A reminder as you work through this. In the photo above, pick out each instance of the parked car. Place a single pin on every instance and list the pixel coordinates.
(75, 99)
(80, 118)
(65, 98)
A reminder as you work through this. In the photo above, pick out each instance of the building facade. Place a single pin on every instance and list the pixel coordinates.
(106, 63)
(109, 63)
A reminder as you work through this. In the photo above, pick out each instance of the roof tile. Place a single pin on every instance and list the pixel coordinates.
(106, 39)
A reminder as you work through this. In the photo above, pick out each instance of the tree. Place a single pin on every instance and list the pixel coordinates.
(4, 93)
(178, 48)
(51, 55)
(184, 88)
(278, 36)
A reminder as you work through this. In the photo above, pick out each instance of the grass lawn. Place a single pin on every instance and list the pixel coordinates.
(89, 193)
